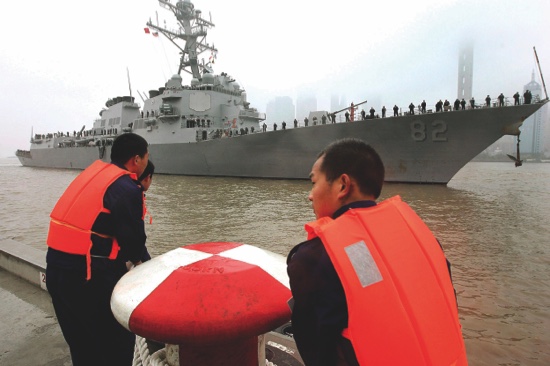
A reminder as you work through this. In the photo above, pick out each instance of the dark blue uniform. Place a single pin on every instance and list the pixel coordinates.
(320, 311)
(83, 307)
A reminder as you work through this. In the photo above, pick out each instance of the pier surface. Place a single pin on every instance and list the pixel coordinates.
(29, 332)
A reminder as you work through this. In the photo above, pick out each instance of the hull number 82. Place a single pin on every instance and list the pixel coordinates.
(436, 131)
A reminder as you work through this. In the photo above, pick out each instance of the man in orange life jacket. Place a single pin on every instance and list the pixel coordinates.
(96, 227)
(347, 176)
(145, 180)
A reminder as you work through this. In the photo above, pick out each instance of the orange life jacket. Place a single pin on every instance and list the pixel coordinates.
(401, 303)
(77, 209)
(145, 211)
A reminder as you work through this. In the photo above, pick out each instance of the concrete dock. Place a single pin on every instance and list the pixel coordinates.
(29, 332)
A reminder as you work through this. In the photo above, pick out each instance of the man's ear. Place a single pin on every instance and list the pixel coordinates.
(345, 186)
(132, 163)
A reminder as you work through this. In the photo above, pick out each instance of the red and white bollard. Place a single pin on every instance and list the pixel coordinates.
(212, 300)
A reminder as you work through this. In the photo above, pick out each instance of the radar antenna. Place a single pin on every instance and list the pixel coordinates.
(192, 30)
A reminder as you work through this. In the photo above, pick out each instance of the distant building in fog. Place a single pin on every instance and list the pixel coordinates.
(337, 102)
(305, 103)
(545, 145)
(280, 109)
(532, 130)
(535, 131)
(465, 71)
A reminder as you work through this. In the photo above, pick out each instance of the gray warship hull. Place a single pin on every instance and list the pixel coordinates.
(422, 148)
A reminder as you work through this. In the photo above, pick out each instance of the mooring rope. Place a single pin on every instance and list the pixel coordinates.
(142, 356)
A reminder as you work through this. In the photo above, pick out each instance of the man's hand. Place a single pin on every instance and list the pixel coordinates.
(130, 265)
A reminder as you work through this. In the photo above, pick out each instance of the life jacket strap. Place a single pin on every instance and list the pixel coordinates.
(66, 236)
(346, 334)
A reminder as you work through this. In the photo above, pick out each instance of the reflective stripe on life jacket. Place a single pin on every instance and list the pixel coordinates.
(401, 303)
(77, 209)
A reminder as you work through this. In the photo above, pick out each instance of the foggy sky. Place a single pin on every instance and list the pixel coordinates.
(58, 70)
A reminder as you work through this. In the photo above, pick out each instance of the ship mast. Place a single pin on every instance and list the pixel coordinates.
(192, 31)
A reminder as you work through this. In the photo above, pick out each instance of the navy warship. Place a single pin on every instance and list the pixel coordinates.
(208, 128)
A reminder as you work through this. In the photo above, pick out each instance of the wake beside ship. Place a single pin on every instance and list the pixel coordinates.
(208, 128)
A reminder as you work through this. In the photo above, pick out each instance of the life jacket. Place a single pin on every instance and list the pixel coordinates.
(76, 210)
(145, 211)
(401, 302)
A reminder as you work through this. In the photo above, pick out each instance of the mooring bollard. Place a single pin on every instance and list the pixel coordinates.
(210, 301)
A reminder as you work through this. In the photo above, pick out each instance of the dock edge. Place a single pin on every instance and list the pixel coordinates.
(23, 261)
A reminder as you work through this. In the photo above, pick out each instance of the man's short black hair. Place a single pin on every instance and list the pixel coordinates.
(127, 146)
(357, 159)
(149, 170)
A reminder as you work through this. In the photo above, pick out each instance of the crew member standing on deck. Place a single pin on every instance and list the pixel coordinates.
(381, 257)
(501, 100)
(457, 104)
(96, 227)
(411, 108)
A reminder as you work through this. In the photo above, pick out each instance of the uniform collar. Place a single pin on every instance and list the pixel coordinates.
(121, 166)
(356, 204)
